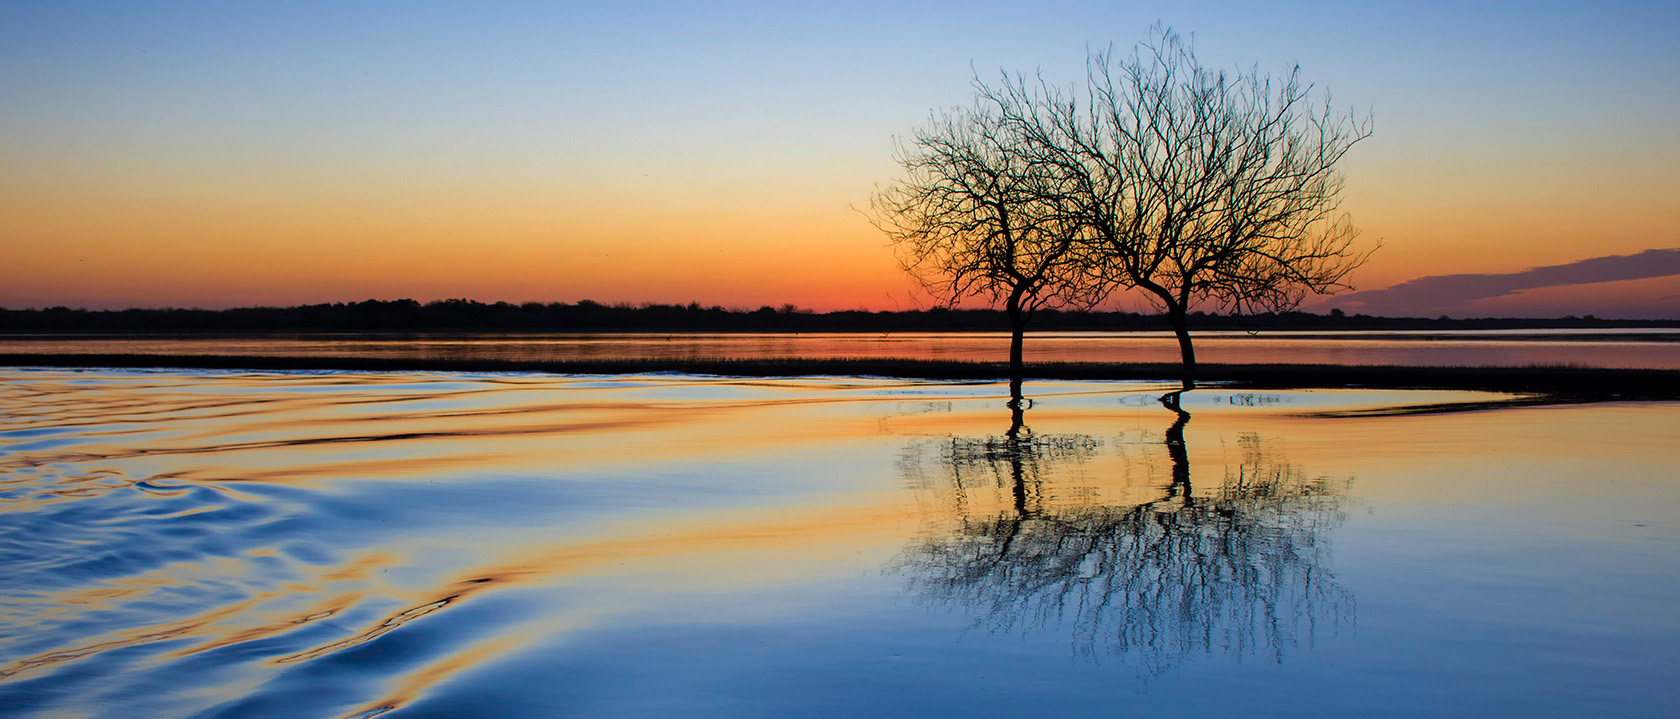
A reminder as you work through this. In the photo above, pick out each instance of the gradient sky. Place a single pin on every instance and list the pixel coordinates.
(221, 154)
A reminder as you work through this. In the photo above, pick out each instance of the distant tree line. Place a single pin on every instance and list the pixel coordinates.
(460, 315)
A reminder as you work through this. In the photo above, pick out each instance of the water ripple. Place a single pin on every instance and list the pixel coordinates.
(187, 543)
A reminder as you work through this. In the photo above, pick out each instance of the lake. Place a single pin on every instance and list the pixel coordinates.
(1636, 348)
(322, 544)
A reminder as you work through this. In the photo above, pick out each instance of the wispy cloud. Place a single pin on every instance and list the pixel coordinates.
(1429, 295)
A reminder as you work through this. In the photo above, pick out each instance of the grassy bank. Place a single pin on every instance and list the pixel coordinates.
(1564, 383)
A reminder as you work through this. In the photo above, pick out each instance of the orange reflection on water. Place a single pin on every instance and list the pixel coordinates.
(1612, 347)
(276, 522)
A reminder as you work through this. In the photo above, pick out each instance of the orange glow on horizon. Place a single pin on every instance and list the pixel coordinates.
(205, 235)
(224, 225)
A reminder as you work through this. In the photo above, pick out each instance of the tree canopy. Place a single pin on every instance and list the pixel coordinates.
(1195, 186)
(1219, 186)
(979, 214)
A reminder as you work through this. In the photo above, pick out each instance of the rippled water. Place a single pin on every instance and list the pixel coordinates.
(449, 545)
(1646, 348)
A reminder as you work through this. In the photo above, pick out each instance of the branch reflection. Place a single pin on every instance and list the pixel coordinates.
(1238, 568)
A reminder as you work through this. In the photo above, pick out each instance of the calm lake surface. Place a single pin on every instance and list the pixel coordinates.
(1644, 348)
(223, 544)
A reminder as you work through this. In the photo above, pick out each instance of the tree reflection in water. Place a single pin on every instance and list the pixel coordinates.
(1239, 569)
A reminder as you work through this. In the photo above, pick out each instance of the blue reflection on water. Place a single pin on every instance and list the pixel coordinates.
(334, 544)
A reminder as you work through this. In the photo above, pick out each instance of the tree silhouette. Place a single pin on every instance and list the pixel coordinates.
(979, 214)
(1194, 185)
(1239, 568)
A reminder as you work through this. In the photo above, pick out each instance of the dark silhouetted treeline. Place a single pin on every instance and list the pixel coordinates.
(588, 316)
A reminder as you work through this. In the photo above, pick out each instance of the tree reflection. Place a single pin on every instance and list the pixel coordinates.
(1239, 568)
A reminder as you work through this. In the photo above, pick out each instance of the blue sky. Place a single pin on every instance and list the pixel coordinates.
(1490, 118)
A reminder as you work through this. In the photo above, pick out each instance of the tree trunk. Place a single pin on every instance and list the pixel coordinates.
(1018, 331)
(1176, 315)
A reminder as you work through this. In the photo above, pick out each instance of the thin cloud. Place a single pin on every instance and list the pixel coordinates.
(1426, 295)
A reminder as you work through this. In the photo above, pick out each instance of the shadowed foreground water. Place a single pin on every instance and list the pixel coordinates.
(201, 544)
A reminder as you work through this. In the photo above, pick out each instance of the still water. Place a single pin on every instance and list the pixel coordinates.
(1639, 348)
(203, 544)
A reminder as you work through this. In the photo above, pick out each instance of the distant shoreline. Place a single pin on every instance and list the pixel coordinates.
(408, 316)
(1642, 333)
(1555, 384)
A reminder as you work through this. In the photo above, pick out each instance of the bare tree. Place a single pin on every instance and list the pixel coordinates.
(1216, 187)
(980, 215)
(1193, 185)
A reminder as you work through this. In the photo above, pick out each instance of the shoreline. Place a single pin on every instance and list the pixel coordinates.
(1660, 335)
(463, 315)
(1557, 383)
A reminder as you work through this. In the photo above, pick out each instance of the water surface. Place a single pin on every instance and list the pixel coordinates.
(1639, 348)
(224, 544)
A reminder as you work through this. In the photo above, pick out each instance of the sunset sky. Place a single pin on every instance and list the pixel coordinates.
(222, 154)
